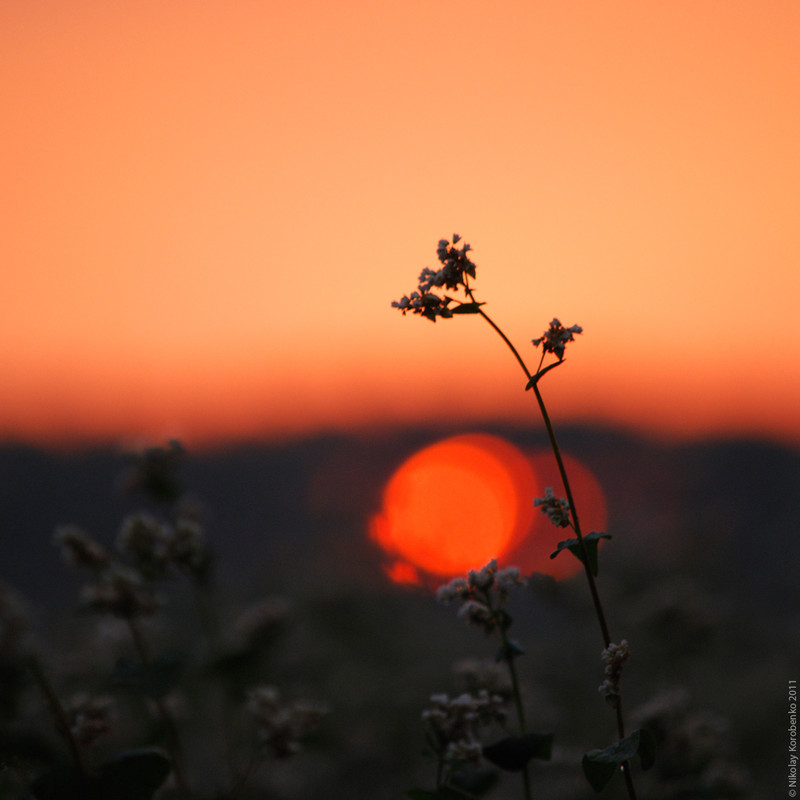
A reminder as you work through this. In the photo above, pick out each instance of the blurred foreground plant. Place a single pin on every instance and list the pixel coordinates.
(455, 272)
(153, 549)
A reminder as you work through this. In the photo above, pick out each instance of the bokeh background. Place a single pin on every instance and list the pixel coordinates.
(206, 211)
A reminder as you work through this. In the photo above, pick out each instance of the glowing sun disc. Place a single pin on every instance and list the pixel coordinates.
(456, 504)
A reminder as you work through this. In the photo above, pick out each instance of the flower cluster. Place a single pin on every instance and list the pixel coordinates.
(119, 591)
(149, 547)
(154, 472)
(260, 622)
(556, 337)
(452, 723)
(556, 509)
(427, 304)
(153, 546)
(145, 541)
(456, 267)
(187, 548)
(614, 656)
(473, 674)
(280, 725)
(480, 593)
(79, 549)
(89, 718)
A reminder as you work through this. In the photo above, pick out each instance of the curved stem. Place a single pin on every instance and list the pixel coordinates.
(170, 728)
(598, 606)
(564, 478)
(60, 716)
(509, 659)
(601, 617)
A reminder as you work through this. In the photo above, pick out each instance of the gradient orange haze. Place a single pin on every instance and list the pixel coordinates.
(208, 207)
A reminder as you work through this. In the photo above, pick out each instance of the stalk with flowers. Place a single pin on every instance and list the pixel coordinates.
(481, 593)
(252, 722)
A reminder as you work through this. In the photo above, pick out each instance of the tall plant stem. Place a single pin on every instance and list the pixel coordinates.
(509, 659)
(551, 434)
(170, 729)
(598, 606)
(60, 716)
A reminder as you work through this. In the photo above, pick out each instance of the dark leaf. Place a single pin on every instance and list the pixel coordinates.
(541, 373)
(598, 773)
(25, 745)
(134, 775)
(509, 651)
(591, 541)
(467, 308)
(65, 783)
(514, 753)
(599, 766)
(475, 781)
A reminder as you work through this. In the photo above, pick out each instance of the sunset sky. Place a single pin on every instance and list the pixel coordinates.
(206, 209)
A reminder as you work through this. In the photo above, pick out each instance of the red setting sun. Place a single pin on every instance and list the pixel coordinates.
(460, 502)
(454, 505)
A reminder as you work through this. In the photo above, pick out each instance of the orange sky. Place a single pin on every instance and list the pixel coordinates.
(207, 208)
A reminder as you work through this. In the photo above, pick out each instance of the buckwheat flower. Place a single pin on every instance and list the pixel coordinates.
(427, 304)
(457, 589)
(281, 726)
(121, 593)
(453, 723)
(455, 263)
(155, 472)
(464, 750)
(614, 656)
(556, 338)
(504, 580)
(79, 549)
(404, 303)
(557, 510)
(261, 621)
(145, 540)
(186, 548)
(428, 279)
(455, 268)
(483, 579)
(481, 586)
(474, 674)
(478, 614)
(89, 718)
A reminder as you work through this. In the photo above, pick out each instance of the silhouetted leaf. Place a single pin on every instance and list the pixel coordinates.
(600, 766)
(65, 783)
(541, 373)
(591, 541)
(25, 745)
(467, 308)
(475, 781)
(508, 651)
(514, 753)
(134, 775)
